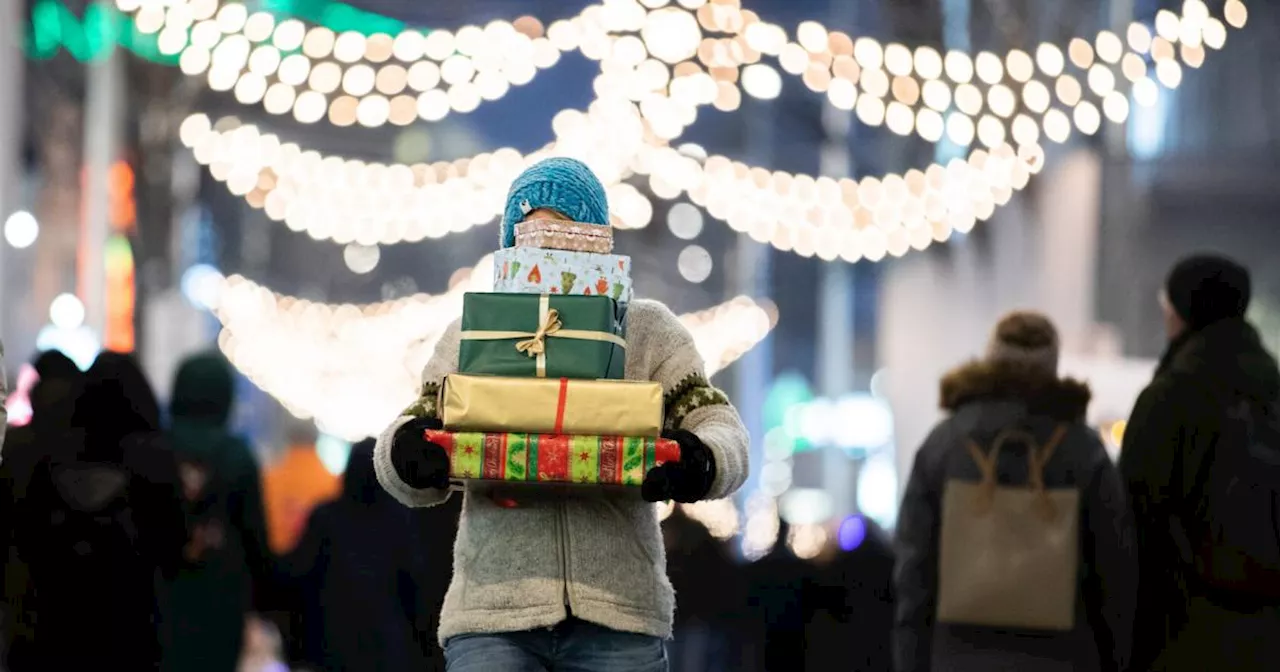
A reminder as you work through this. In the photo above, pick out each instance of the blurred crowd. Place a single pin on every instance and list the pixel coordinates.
(144, 537)
(151, 538)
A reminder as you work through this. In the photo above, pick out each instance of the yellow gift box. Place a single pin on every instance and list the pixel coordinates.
(551, 406)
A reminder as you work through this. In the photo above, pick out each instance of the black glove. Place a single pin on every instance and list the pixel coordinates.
(686, 481)
(418, 462)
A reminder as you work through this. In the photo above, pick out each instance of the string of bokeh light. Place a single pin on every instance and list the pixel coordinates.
(669, 63)
(351, 368)
(337, 202)
(348, 77)
(385, 204)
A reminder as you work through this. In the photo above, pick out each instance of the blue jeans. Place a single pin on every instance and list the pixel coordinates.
(571, 646)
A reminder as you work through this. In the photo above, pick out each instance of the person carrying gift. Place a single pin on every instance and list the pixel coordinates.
(565, 582)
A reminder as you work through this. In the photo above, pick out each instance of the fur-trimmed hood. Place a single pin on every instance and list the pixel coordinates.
(1063, 399)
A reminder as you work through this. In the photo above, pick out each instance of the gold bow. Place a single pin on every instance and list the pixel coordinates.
(535, 345)
(538, 344)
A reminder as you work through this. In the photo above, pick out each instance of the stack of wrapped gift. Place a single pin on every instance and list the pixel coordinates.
(539, 394)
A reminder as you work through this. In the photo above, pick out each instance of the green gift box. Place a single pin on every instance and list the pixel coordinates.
(542, 336)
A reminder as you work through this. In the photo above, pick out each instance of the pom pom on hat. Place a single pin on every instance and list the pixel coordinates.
(1204, 289)
(565, 185)
(1026, 338)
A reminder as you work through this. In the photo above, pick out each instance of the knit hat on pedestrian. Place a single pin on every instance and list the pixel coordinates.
(1204, 288)
(565, 185)
(1025, 338)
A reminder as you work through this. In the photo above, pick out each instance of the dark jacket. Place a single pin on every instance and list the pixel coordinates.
(711, 589)
(53, 399)
(370, 576)
(112, 459)
(985, 398)
(1168, 441)
(208, 603)
(853, 631)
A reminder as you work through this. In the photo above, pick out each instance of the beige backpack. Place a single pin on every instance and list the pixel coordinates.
(1009, 554)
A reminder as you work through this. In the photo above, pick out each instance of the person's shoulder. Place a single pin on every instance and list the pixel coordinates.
(1177, 387)
(650, 310)
(647, 318)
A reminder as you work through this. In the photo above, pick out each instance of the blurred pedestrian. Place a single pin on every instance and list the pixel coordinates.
(1200, 455)
(52, 397)
(1013, 401)
(710, 591)
(100, 522)
(226, 560)
(360, 578)
(853, 624)
(293, 486)
(781, 598)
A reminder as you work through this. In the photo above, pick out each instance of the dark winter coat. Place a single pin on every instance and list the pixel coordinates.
(53, 399)
(985, 398)
(370, 586)
(854, 631)
(782, 596)
(204, 628)
(1168, 441)
(100, 611)
(711, 591)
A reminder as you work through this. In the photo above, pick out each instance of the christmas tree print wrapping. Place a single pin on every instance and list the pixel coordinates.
(553, 458)
(532, 270)
(542, 336)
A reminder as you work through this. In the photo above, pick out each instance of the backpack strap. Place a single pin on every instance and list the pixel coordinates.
(1037, 458)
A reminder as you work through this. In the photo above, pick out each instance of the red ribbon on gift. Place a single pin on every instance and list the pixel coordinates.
(560, 404)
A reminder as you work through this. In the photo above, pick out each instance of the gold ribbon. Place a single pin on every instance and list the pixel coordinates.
(549, 326)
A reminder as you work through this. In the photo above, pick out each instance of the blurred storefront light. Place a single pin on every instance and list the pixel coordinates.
(760, 531)
(878, 489)
(853, 421)
(694, 263)
(79, 344)
(852, 532)
(807, 541)
(202, 286)
(21, 229)
(806, 506)
(333, 453)
(66, 312)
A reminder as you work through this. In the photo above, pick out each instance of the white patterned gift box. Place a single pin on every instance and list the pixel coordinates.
(531, 270)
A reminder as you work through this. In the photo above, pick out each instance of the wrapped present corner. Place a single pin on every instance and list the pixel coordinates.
(550, 406)
(553, 458)
(542, 336)
(531, 270)
(553, 234)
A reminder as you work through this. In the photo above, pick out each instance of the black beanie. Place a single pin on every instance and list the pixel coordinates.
(1204, 289)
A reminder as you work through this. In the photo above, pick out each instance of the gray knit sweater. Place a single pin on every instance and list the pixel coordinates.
(596, 555)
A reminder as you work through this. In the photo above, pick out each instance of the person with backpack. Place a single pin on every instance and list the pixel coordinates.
(1201, 457)
(100, 525)
(226, 565)
(1015, 545)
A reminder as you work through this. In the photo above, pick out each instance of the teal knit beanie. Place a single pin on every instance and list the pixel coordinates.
(565, 185)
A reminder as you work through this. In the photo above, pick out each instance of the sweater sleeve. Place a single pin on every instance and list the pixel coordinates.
(443, 362)
(692, 403)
